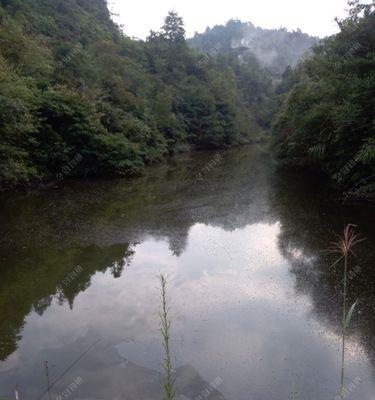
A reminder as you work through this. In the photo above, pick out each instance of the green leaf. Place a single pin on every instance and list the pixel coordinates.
(349, 315)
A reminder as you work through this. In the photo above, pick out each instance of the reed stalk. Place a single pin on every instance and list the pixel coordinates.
(165, 326)
(344, 247)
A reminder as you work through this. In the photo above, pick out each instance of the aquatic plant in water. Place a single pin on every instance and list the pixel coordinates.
(165, 325)
(344, 247)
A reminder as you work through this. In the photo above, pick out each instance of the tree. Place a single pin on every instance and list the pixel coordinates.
(327, 121)
(120, 104)
(173, 28)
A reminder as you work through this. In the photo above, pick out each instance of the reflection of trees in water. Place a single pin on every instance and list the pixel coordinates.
(309, 217)
(242, 190)
(164, 204)
(32, 280)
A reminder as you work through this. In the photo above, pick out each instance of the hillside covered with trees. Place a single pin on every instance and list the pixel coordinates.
(76, 92)
(326, 121)
(274, 49)
(79, 98)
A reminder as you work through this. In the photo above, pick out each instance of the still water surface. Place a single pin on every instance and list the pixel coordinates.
(254, 304)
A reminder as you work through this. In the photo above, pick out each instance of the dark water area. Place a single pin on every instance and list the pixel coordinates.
(254, 304)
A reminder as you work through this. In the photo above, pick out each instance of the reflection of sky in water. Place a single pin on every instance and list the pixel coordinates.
(235, 315)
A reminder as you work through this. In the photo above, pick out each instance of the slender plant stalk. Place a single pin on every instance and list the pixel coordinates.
(343, 327)
(16, 394)
(294, 393)
(169, 391)
(47, 377)
(343, 246)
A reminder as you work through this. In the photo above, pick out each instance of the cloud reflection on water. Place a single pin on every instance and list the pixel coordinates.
(235, 314)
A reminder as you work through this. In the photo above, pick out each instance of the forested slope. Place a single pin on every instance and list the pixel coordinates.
(80, 98)
(274, 49)
(77, 95)
(327, 116)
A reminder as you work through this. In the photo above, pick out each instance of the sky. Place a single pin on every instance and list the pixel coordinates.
(315, 17)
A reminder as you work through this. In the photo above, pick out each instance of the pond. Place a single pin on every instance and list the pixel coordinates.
(255, 304)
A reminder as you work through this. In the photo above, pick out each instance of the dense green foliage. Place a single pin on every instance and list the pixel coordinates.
(73, 87)
(275, 49)
(327, 118)
(78, 97)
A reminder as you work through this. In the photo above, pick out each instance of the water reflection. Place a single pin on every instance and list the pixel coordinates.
(252, 299)
(31, 280)
(306, 234)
